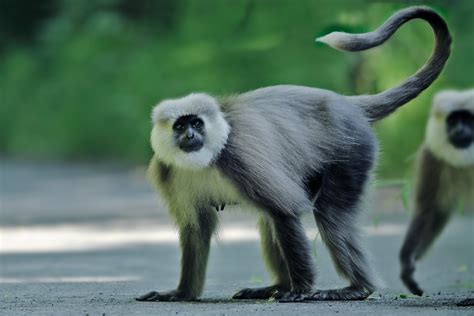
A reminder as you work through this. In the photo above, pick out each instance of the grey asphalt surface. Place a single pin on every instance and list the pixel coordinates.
(87, 239)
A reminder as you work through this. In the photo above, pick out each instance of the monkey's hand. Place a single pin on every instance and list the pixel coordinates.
(260, 293)
(409, 280)
(171, 296)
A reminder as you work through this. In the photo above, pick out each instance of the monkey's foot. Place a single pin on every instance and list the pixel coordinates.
(171, 296)
(466, 302)
(345, 294)
(259, 293)
(410, 283)
(289, 296)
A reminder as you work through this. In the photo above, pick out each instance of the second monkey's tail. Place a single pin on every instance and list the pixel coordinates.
(380, 105)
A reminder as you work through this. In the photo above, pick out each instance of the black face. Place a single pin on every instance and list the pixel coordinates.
(189, 133)
(460, 128)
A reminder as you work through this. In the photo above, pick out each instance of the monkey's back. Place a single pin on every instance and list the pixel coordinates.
(307, 125)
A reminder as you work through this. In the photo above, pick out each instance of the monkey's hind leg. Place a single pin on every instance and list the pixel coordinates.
(275, 262)
(335, 211)
(424, 228)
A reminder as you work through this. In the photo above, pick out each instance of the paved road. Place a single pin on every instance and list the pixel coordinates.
(87, 239)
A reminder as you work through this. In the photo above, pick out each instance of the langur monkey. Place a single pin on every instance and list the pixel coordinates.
(282, 150)
(444, 177)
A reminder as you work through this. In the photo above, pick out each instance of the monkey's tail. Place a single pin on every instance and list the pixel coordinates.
(380, 105)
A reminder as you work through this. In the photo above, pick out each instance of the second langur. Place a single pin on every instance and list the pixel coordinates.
(445, 176)
(283, 150)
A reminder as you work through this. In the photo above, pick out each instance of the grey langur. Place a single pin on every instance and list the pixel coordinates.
(444, 177)
(283, 151)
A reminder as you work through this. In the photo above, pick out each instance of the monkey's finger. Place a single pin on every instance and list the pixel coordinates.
(260, 293)
(466, 302)
(292, 297)
(285, 296)
(175, 298)
(146, 296)
(242, 294)
(318, 296)
(278, 294)
(347, 293)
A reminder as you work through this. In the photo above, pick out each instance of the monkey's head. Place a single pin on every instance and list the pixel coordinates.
(189, 132)
(450, 132)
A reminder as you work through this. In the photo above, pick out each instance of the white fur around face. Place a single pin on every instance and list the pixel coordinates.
(215, 126)
(437, 141)
(447, 101)
(436, 137)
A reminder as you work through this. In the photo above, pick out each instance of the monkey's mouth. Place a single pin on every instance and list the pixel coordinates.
(460, 140)
(190, 146)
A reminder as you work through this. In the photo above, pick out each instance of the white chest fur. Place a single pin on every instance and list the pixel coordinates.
(193, 189)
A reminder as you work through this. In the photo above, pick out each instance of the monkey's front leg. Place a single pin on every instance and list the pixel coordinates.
(195, 241)
(424, 228)
(407, 256)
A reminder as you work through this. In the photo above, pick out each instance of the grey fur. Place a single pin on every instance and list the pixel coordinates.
(380, 105)
(288, 150)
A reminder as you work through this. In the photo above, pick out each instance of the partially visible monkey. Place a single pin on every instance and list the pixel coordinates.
(445, 176)
(283, 150)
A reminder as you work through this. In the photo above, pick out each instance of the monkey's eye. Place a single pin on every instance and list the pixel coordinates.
(178, 126)
(196, 124)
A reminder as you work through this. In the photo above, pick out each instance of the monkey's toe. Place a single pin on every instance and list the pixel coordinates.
(344, 294)
(289, 296)
(147, 297)
(466, 302)
(171, 296)
(260, 293)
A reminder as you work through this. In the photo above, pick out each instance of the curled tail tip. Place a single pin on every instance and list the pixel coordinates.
(335, 40)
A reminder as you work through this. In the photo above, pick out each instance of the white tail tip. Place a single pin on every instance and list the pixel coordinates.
(334, 39)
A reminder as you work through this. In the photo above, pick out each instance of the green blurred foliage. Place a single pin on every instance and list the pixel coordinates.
(78, 78)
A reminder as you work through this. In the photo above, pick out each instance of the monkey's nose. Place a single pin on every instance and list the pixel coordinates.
(189, 134)
(461, 138)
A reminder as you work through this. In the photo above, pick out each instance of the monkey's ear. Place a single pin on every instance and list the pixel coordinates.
(439, 115)
(164, 121)
(158, 114)
(160, 119)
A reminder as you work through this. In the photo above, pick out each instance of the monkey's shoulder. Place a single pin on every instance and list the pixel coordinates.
(159, 172)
